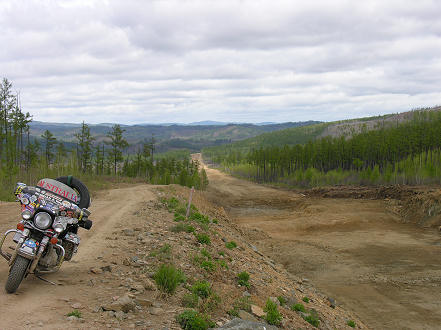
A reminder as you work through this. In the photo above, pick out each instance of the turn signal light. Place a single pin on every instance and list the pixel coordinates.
(54, 240)
(20, 226)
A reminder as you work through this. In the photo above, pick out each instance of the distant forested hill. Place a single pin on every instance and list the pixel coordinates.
(168, 137)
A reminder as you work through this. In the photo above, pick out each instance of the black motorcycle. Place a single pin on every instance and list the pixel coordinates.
(46, 235)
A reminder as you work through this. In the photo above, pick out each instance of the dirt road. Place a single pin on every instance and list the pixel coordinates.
(355, 251)
(38, 304)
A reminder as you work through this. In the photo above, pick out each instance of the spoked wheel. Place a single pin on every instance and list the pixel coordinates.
(16, 274)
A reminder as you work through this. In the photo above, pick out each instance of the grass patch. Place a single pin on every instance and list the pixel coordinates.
(163, 253)
(306, 299)
(199, 217)
(203, 239)
(243, 278)
(182, 227)
(190, 300)
(282, 300)
(168, 277)
(230, 245)
(201, 289)
(172, 203)
(192, 320)
(351, 323)
(298, 308)
(312, 318)
(272, 313)
(75, 313)
(179, 218)
(222, 263)
(204, 261)
(242, 303)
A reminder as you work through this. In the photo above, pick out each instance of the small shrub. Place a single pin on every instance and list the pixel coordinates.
(75, 313)
(272, 313)
(221, 253)
(230, 245)
(312, 318)
(203, 239)
(167, 278)
(306, 299)
(243, 278)
(282, 300)
(192, 320)
(351, 323)
(215, 221)
(190, 300)
(298, 308)
(202, 289)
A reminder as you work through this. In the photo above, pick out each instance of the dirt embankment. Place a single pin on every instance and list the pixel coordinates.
(370, 249)
(110, 281)
(420, 205)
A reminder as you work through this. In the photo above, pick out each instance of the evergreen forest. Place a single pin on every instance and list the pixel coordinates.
(404, 153)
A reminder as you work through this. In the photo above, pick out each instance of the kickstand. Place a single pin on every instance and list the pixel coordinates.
(45, 280)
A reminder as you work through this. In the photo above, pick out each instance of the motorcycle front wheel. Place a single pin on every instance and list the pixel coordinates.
(16, 274)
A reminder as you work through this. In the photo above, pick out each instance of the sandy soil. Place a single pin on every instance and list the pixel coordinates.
(354, 250)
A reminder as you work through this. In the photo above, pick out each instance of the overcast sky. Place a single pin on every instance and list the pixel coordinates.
(249, 61)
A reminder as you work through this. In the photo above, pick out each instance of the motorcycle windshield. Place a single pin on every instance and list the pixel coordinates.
(59, 189)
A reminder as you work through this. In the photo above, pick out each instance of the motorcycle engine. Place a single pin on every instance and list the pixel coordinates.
(49, 259)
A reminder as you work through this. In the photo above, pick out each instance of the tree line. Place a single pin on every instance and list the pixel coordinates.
(26, 158)
(407, 152)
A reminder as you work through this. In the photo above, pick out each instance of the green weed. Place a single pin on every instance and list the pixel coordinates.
(192, 320)
(272, 313)
(168, 277)
(298, 308)
(203, 239)
(243, 278)
(182, 227)
(312, 318)
(230, 245)
(75, 313)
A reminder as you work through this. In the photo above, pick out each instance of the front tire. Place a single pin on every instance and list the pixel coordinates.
(16, 274)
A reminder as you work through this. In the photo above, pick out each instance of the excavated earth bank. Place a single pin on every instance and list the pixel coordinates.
(376, 251)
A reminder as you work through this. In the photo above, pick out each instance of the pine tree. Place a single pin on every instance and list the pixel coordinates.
(84, 143)
(49, 143)
(117, 144)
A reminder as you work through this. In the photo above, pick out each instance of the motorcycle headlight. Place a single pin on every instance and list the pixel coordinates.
(26, 214)
(42, 220)
(59, 227)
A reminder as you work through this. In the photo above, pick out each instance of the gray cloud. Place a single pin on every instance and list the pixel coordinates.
(163, 61)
